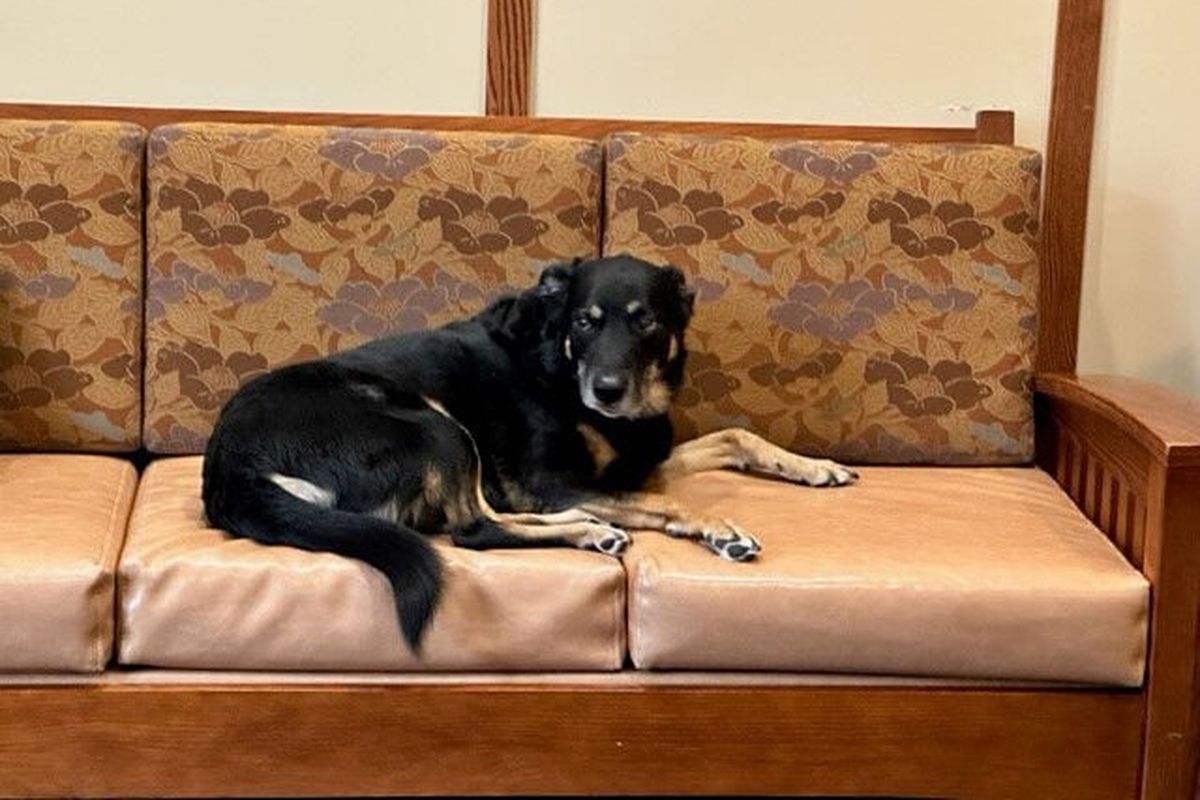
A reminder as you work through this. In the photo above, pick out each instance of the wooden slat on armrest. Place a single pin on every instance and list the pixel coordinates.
(1163, 421)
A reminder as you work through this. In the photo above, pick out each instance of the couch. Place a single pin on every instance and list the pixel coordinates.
(1003, 607)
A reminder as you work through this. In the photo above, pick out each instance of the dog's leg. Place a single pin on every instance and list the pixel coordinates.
(735, 448)
(486, 533)
(659, 513)
(554, 518)
(732, 448)
(477, 525)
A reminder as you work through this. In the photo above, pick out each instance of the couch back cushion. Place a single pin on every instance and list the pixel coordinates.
(869, 302)
(70, 285)
(269, 245)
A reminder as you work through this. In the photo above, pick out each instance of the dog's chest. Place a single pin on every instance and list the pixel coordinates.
(548, 462)
(600, 450)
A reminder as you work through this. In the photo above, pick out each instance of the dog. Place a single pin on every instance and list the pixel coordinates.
(541, 421)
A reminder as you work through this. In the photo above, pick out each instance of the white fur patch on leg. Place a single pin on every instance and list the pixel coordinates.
(306, 491)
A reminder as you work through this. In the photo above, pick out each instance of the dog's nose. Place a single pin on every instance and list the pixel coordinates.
(609, 387)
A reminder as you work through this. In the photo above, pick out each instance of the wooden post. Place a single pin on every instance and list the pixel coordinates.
(509, 57)
(995, 127)
(1068, 169)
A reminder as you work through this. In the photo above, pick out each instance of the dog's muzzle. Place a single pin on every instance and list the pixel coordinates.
(609, 388)
(606, 392)
(621, 394)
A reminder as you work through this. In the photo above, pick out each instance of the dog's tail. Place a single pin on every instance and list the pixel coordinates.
(274, 516)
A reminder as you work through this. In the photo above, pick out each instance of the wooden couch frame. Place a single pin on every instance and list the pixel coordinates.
(1127, 453)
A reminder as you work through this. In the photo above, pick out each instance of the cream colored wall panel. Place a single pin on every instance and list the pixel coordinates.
(1141, 281)
(350, 55)
(858, 61)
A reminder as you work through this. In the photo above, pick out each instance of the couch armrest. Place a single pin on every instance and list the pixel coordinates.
(1128, 453)
(1111, 443)
(1167, 424)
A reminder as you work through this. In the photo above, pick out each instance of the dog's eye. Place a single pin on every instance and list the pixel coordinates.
(644, 323)
(583, 322)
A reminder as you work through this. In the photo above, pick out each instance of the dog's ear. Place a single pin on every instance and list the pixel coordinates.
(533, 314)
(513, 318)
(556, 279)
(683, 296)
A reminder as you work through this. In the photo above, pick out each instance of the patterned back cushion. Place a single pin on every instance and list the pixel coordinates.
(863, 301)
(70, 285)
(269, 245)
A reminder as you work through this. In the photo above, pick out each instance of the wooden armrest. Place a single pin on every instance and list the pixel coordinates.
(1128, 454)
(1167, 424)
(1117, 446)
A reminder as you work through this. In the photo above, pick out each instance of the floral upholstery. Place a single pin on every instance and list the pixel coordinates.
(70, 285)
(863, 301)
(269, 245)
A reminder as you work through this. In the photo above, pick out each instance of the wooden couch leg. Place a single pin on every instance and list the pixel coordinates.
(1172, 564)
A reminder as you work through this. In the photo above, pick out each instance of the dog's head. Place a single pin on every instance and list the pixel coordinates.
(620, 329)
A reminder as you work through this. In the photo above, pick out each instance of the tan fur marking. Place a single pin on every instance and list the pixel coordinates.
(458, 509)
(518, 499)
(600, 448)
(464, 512)
(636, 510)
(432, 508)
(656, 394)
(590, 534)
(735, 448)
(650, 512)
(568, 531)
(659, 513)
(432, 486)
(724, 449)
(552, 518)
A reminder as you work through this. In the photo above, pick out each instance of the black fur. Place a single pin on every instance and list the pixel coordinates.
(358, 424)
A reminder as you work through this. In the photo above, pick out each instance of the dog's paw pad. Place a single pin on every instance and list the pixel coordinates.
(610, 541)
(736, 545)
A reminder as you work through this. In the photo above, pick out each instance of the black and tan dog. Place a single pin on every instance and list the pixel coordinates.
(540, 421)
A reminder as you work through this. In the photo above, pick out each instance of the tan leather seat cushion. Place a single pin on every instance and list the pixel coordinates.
(956, 572)
(62, 520)
(192, 597)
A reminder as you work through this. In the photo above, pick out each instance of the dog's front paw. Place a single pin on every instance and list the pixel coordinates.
(607, 539)
(733, 545)
(814, 471)
(723, 538)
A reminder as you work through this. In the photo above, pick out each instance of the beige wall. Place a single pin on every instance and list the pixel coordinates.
(348, 55)
(864, 61)
(857, 61)
(1141, 281)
